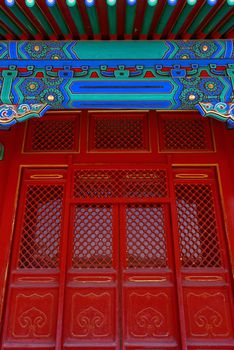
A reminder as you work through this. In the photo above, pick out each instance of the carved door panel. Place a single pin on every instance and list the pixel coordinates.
(32, 301)
(149, 290)
(91, 307)
(205, 274)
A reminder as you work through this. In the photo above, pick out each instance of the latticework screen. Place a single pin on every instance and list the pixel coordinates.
(40, 238)
(92, 236)
(53, 135)
(111, 132)
(146, 236)
(184, 134)
(145, 183)
(199, 243)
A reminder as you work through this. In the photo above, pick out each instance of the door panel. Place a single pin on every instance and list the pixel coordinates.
(31, 312)
(91, 308)
(205, 278)
(149, 311)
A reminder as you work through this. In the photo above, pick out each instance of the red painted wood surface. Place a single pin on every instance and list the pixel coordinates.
(117, 232)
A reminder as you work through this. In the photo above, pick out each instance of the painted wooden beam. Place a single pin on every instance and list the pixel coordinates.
(167, 75)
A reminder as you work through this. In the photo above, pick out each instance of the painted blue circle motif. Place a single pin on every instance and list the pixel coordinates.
(36, 49)
(32, 87)
(204, 49)
(51, 96)
(211, 86)
(190, 97)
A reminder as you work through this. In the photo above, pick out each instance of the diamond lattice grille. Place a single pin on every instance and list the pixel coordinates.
(120, 184)
(92, 236)
(119, 133)
(184, 135)
(52, 135)
(199, 244)
(146, 236)
(40, 239)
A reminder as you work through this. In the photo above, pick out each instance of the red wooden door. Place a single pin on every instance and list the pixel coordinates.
(113, 258)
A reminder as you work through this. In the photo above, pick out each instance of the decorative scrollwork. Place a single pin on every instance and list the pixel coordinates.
(11, 114)
(90, 321)
(221, 111)
(150, 320)
(32, 321)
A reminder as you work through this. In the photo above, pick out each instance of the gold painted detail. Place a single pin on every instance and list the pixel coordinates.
(37, 279)
(204, 278)
(92, 279)
(50, 98)
(147, 279)
(192, 97)
(191, 176)
(46, 176)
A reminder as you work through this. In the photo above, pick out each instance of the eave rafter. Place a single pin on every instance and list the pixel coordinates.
(161, 75)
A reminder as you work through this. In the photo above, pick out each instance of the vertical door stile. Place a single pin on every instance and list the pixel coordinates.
(63, 256)
(121, 267)
(177, 262)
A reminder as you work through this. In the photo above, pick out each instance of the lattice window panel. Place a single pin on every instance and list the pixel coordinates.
(146, 236)
(97, 184)
(119, 132)
(92, 236)
(53, 135)
(199, 243)
(40, 238)
(184, 134)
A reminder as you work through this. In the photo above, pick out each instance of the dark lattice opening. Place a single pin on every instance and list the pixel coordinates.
(52, 135)
(40, 238)
(119, 132)
(184, 134)
(120, 183)
(92, 236)
(146, 236)
(199, 243)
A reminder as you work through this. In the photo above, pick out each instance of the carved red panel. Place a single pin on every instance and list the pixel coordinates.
(208, 313)
(148, 315)
(98, 184)
(32, 315)
(112, 132)
(184, 133)
(91, 315)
